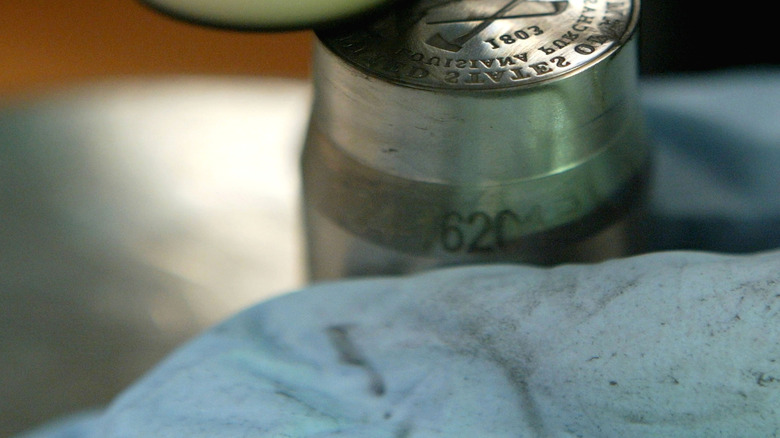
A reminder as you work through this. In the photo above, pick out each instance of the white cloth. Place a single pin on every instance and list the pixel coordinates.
(669, 344)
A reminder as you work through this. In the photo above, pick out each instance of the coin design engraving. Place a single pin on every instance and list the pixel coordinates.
(486, 44)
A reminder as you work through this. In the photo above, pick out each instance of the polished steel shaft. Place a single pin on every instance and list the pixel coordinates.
(475, 131)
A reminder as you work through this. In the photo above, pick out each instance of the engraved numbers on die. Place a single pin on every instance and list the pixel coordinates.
(480, 232)
(511, 38)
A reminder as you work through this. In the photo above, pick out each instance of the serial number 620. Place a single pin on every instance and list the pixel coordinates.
(480, 232)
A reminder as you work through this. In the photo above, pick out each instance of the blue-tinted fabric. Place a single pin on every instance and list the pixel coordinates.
(675, 344)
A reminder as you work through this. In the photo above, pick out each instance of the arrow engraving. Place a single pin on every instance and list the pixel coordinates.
(455, 45)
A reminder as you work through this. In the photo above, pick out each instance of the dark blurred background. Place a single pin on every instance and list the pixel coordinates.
(46, 44)
(684, 36)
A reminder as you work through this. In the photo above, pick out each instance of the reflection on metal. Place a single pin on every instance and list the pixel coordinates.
(132, 215)
(475, 131)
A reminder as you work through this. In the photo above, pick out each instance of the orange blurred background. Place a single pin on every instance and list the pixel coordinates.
(47, 44)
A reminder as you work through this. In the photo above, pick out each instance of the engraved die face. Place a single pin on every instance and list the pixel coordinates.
(487, 44)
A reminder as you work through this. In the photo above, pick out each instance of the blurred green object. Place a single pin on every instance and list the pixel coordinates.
(265, 14)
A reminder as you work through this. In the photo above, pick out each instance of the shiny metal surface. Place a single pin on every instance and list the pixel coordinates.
(494, 44)
(475, 131)
(133, 215)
